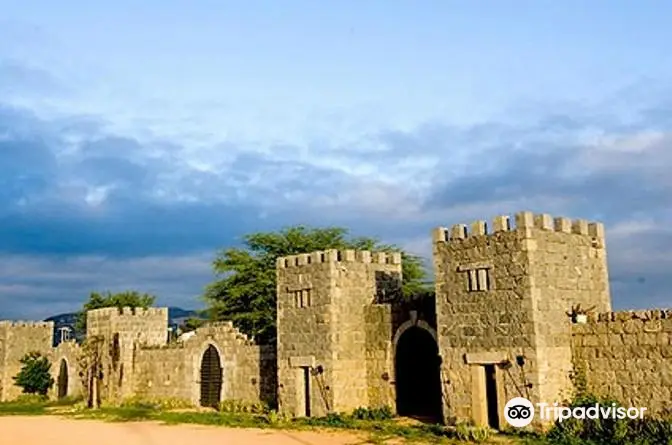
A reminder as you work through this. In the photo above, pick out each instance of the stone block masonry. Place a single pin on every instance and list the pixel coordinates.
(18, 338)
(64, 358)
(172, 371)
(628, 356)
(346, 339)
(502, 298)
(122, 330)
(323, 362)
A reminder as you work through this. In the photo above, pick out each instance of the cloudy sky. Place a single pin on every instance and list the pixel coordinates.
(138, 138)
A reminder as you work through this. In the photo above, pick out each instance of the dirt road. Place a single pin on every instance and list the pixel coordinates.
(43, 430)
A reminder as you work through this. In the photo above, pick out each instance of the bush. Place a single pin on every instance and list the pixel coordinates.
(331, 420)
(242, 407)
(31, 399)
(377, 414)
(156, 403)
(646, 431)
(34, 376)
(469, 433)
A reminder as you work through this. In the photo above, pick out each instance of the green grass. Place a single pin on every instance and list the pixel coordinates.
(22, 409)
(378, 430)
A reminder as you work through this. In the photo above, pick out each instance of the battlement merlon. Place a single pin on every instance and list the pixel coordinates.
(523, 221)
(128, 311)
(339, 256)
(646, 315)
(26, 324)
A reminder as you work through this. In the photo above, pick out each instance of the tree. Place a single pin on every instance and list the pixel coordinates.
(34, 376)
(191, 324)
(121, 299)
(245, 290)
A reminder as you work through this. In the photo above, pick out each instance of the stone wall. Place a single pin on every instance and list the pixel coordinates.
(138, 361)
(568, 267)
(304, 330)
(122, 329)
(66, 352)
(322, 328)
(502, 298)
(379, 355)
(172, 371)
(627, 356)
(500, 313)
(17, 338)
(483, 311)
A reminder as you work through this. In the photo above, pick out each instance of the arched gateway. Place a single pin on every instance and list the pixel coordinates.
(211, 378)
(418, 374)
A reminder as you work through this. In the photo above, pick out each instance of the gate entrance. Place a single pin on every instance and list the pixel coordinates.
(305, 374)
(211, 378)
(418, 375)
(63, 379)
(491, 396)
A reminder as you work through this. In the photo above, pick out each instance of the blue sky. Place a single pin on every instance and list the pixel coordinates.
(137, 140)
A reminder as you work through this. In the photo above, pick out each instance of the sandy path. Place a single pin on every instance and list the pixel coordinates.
(43, 430)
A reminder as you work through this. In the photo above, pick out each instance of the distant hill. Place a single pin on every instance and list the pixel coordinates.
(176, 316)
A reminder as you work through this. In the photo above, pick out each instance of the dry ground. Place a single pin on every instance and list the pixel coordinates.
(40, 430)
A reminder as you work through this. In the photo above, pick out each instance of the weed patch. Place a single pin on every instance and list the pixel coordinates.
(378, 424)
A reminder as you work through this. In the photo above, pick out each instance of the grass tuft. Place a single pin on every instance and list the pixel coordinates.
(378, 424)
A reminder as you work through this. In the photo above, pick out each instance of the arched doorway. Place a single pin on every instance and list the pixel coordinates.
(211, 378)
(63, 379)
(418, 376)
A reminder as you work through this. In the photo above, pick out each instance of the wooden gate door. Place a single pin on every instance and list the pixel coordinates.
(211, 378)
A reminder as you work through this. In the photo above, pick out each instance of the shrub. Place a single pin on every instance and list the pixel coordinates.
(156, 403)
(275, 418)
(30, 399)
(34, 376)
(646, 431)
(377, 414)
(242, 407)
(469, 433)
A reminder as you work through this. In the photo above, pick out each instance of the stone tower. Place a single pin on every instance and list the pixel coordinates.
(122, 330)
(502, 302)
(18, 338)
(334, 331)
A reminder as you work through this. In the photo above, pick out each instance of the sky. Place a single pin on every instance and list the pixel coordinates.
(138, 139)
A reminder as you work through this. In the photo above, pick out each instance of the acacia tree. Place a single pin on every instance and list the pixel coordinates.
(121, 299)
(34, 376)
(245, 289)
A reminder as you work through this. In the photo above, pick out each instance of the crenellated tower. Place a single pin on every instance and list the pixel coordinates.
(122, 331)
(18, 338)
(334, 331)
(502, 301)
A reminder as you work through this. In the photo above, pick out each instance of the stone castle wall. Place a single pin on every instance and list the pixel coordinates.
(171, 371)
(18, 338)
(323, 335)
(66, 352)
(379, 334)
(123, 329)
(627, 356)
(502, 298)
(500, 315)
(482, 300)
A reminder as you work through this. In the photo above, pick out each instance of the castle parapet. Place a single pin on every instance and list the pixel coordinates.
(128, 311)
(26, 324)
(523, 221)
(339, 256)
(650, 314)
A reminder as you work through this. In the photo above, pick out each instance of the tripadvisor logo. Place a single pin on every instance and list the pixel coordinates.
(519, 412)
